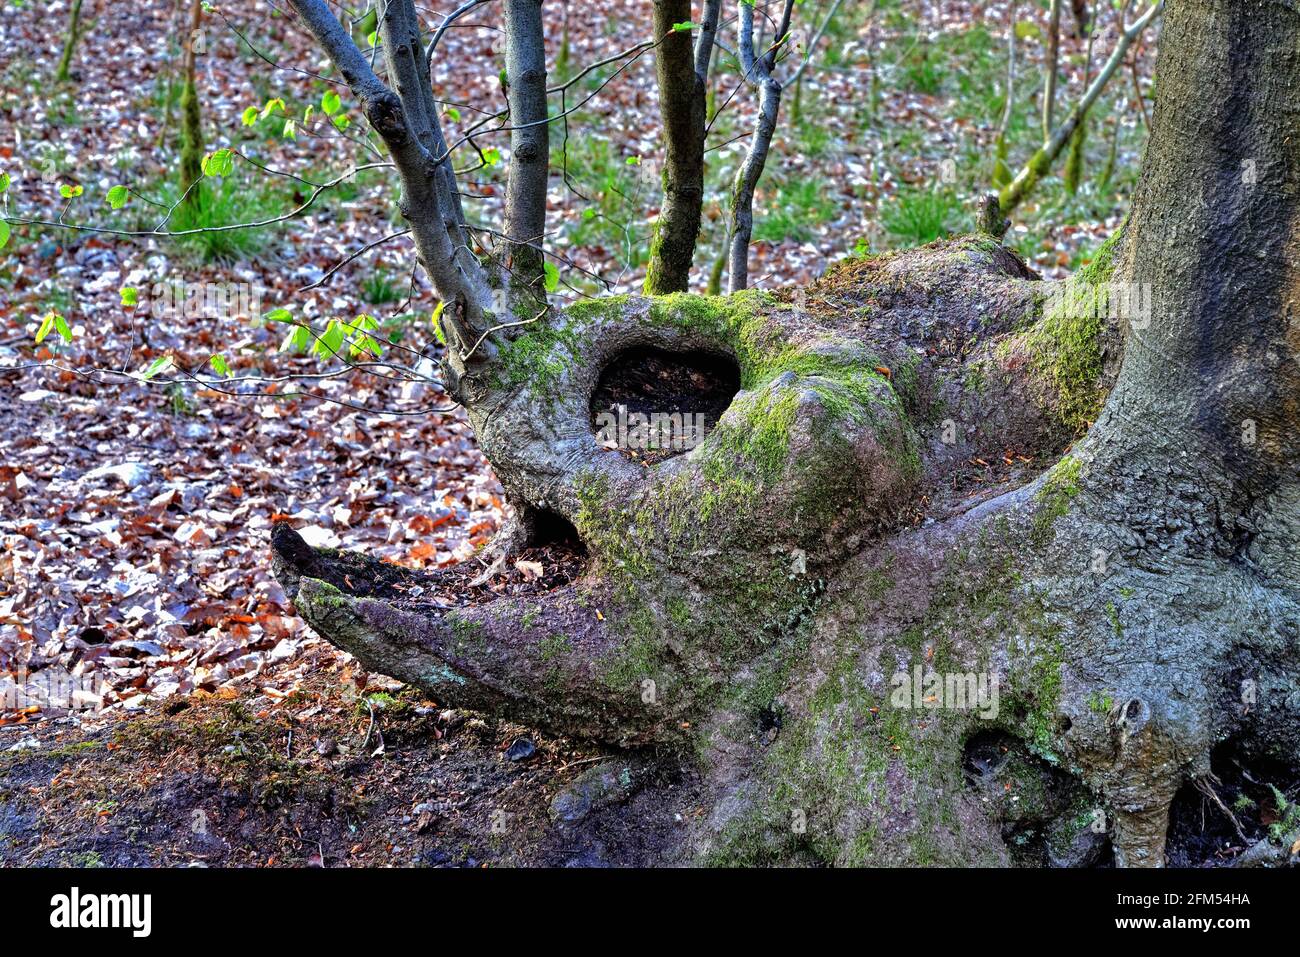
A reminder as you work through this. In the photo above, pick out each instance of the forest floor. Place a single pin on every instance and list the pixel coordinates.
(332, 778)
(135, 515)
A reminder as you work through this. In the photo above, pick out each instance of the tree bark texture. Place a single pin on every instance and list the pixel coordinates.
(529, 143)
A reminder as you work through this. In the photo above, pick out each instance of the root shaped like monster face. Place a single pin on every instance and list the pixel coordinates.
(706, 562)
(851, 514)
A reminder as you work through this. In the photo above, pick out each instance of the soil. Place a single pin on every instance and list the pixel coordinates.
(1254, 798)
(341, 773)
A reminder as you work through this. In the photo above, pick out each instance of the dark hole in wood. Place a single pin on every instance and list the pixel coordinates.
(553, 529)
(1201, 833)
(652, 404)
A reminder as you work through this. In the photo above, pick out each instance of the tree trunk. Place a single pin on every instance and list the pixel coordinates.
(681, 106)
(1074, 162)
(529, 143)
(63, 74)
(1050, 67)
(1001, 171)
(191, 118)
(1082, 20)
(891, 609)
(747, 176)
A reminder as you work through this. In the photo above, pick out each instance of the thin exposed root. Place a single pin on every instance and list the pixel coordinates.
(1205, 784)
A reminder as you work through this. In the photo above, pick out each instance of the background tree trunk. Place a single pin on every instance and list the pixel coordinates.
(191, 117)
(1050, 67)
(63, 73)
(682, 96)
(1082, 18)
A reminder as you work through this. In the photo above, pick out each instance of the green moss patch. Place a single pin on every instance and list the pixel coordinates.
(1058, 490)
(1063, 349)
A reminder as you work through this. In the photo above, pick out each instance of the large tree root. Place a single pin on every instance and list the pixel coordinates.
(856, 520)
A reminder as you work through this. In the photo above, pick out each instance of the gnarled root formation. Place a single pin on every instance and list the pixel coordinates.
(781, 598)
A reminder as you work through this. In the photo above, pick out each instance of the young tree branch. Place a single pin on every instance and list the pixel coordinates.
(1041, 162)
(407, 122)
(758, 73)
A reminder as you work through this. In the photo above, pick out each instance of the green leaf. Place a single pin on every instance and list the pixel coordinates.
(360, 324)
(359, 332)
(552, 274)
(329, 344)
(1026, 29)
(279, 315)
(4, 234)
(117, 197)
(250, 116)
(453, 114)
(341, 123)
(306, 114)
(219, 163)
(130, 296)
(330, 102)
(46, 325)
(158, 365)
(272, 106)
(4, 182)
(491, 156)
(290, 130)
(685, 26)
(297, 340)
(588, 214)
(219, 366)
(373, 38)
(71, 192)
(634, 161)
(61, 324)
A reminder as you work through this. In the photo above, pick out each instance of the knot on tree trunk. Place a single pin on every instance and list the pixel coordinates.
(384, 112)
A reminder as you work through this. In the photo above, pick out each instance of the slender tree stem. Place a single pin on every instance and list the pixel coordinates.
(1041, 162)
(525, 221)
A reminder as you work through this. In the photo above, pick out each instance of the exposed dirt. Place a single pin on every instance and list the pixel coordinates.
(314, 781)
(1254, 799)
